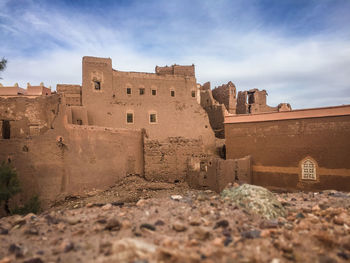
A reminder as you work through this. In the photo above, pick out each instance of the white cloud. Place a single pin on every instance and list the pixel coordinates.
(304, 71)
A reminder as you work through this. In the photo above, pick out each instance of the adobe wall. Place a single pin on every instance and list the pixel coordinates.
(216, 173)
(254, 101)
(52, 168)
(38, 91)
(9, 91)
(176, 116)
(78, 115)
(278, 146)
(215, 110)
(176, 70)
(167, 160)
(28, 116)
(71, 94)
(226, 94)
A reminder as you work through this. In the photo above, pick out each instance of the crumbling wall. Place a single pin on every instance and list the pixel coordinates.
(166, 160)
(71, 94)
(176, 70)
(28, 116)
(216, 173)
(215, 110)
(226, 94)
(70, 159)
(254, 101)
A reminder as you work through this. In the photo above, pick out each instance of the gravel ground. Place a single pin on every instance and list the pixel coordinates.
(138, 221)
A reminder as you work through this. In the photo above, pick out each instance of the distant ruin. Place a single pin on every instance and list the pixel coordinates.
(222, 101)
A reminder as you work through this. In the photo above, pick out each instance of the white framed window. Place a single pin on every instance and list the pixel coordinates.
(308, 170)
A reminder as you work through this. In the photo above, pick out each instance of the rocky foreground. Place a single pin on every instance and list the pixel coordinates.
(193, 226)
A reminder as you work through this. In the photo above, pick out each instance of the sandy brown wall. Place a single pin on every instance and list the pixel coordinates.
(217, 173)
(216, 115)
(28, 114)
(89, 157)
(167, 160)
(278, 147)
(180, 115)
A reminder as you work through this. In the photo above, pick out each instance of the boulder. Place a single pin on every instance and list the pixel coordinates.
(255, 199)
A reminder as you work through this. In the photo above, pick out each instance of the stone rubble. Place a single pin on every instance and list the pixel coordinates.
(201, 226)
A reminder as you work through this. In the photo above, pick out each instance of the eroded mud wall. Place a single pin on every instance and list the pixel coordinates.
(69, 159)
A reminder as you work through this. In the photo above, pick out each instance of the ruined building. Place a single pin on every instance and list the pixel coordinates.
(162, 126)
(222, 101)
(116, 123)
(254, 101)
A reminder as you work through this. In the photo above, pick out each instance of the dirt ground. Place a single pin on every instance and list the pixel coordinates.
(139, 221)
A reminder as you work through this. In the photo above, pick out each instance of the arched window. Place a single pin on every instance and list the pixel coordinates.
(308, 170)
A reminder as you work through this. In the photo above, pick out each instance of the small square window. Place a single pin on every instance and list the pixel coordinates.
(97, 85)
(193, 94)
(153, 118)
(154, 92)
(130, 117)
(79, 122)
(128, 91)
(142, 91)
(172, 93)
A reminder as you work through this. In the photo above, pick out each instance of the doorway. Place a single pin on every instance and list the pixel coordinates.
(6, 129)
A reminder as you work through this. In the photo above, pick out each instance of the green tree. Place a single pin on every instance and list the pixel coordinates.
(9, 184)
(3, 63)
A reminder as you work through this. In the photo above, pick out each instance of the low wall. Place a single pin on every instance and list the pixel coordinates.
(167, 160)
(216, 173)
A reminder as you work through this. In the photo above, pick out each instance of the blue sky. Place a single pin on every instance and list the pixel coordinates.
(298, 50)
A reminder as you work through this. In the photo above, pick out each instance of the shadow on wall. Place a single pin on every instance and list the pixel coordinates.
(216, 173)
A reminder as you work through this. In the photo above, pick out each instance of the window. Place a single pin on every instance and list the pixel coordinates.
(142, 91)
(154, 92)
(79, 122)
(153, 118)
(193, 94)
(97, 85)
(172, 93)
(128, 91)
(129, 117)
(308, 170)
(6, 129)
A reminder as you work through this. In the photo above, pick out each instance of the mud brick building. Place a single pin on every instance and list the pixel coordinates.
(114, 124)
(164, 126)
(305, 149)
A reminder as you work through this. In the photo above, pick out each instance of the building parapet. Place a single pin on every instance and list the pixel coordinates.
(15, 90)
(288, 115)
(176, 70)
